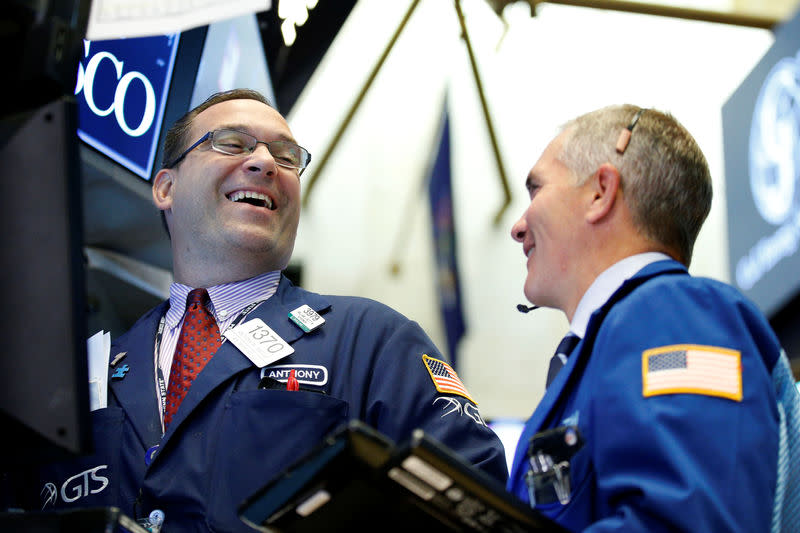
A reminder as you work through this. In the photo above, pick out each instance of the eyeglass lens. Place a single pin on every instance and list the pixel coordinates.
(236, 142)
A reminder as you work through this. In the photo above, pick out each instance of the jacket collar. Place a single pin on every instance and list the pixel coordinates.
(135, 393)
(558, 391)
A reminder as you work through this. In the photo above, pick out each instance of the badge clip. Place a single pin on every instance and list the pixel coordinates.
(549, 454)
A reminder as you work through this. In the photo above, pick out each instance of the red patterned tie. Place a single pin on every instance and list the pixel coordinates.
(198, 341)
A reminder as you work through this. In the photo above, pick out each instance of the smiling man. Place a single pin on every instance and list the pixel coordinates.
(673, 408)
(230, 194)
(240, 374)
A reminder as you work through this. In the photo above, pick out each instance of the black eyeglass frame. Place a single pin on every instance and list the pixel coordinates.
(306, 156)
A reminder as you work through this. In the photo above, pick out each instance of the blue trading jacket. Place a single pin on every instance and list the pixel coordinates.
(667, 462)
(229, 437)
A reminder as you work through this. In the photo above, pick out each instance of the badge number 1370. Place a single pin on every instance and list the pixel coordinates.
(259, 342)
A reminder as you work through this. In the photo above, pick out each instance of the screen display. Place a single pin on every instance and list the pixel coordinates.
(761, 125)
(121, 91)
(233, 57)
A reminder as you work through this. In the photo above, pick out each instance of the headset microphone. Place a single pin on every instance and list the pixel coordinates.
(522, 308)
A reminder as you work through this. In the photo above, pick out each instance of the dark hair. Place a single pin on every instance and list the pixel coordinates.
(665, 177)
(177, 138)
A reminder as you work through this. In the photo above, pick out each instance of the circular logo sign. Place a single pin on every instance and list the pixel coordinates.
(775, 142)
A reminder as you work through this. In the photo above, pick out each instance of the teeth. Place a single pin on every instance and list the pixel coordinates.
(238, 196)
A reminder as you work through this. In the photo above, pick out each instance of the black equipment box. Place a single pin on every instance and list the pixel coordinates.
(358, 477)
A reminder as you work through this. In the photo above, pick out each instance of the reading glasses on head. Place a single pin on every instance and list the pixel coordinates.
(232, 142)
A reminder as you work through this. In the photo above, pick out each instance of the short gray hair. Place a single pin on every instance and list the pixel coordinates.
(665, 178)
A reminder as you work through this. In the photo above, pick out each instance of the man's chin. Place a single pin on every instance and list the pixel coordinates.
(535, 296)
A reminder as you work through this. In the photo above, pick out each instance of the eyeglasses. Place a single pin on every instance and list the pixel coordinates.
(233, 142)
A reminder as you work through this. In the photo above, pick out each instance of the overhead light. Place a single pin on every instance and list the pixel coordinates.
(293, 13)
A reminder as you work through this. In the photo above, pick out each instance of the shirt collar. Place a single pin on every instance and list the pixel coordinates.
(227, 299)
(606, 284)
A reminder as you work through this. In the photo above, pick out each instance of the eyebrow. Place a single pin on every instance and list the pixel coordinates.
(246, 129)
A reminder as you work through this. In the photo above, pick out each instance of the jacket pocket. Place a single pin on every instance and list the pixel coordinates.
(263, 432)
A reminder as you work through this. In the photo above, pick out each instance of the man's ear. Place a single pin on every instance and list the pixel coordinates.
(604, 185)
(162, 189)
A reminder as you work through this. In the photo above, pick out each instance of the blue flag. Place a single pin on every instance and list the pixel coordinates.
(444, 241)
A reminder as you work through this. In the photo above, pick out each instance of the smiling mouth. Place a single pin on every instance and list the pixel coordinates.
(253, 198)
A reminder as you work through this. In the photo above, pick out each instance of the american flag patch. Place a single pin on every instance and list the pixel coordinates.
(445, 378)
(692, 369)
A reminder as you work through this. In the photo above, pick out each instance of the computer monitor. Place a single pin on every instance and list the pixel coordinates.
(43, 372)
(43, 393)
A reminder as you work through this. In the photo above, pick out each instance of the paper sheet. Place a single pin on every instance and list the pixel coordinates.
(98, 348)
(113, 19)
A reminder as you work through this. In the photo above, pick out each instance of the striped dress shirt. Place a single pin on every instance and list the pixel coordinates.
(227, 301)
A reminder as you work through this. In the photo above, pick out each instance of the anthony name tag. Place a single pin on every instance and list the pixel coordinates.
(258, 342)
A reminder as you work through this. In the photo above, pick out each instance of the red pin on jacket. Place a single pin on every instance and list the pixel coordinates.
(291, 383)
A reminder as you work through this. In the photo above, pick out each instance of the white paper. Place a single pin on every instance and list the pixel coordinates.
(114, 19)
(98, 349)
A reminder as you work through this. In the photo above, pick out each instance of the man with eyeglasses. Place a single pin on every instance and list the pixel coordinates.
(676, 409)
(275, 368)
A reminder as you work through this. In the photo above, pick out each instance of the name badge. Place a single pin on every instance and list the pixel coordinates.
(306, 318)
(258, 342)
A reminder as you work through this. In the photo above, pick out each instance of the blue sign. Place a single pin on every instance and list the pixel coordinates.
(121, 93)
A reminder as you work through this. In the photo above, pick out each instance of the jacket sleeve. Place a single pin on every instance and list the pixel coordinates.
(683, 460)
(402, 396)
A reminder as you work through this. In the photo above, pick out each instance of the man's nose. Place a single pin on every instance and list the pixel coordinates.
(261, 160)
(518, 229)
